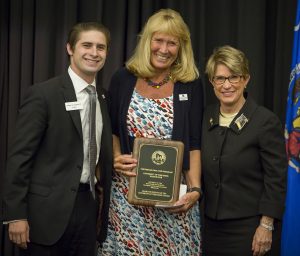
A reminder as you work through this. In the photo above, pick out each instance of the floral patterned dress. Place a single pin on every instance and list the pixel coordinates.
(137, 230)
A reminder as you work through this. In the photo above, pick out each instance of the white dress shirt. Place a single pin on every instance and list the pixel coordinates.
(83, 97)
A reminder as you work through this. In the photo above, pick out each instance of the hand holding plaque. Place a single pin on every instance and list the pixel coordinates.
(158, 172)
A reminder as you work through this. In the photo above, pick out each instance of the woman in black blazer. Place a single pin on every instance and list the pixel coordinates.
(243, 164)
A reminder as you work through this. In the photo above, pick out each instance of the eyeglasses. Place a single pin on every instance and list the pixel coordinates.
(219, 80)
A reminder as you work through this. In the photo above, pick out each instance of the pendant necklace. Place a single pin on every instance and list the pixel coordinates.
(159, 84)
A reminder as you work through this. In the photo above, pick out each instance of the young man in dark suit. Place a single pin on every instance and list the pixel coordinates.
(49, 198)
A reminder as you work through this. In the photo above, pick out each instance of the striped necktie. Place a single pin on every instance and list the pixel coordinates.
(92, 136)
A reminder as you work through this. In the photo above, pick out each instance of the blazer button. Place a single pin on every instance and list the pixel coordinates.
(215, 158)
(217, 185)
(79, 167)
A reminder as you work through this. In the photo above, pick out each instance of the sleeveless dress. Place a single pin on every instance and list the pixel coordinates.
(138, 230)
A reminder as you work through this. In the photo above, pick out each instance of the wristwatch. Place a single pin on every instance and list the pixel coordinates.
(197, 189)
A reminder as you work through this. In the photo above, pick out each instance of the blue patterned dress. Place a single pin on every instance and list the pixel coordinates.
(137, 230)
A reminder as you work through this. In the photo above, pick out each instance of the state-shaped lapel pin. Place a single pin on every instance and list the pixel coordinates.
(241, 121)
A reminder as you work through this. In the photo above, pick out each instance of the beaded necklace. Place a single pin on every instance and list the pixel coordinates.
(158, 85)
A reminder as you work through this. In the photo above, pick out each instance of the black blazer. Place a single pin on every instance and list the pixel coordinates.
(46, 158)
(243, 166)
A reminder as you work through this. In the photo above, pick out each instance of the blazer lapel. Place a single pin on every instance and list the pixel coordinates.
(70, 96)
(244, 116)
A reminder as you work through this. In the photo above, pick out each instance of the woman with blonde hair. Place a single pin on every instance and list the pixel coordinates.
(157, 95)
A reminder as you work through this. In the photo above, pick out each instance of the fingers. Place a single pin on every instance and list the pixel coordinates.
(187, 201)
(124, 164)
(27, 235)
(19, 233)
(127, 173)
(182, 209)
(262, 241)
(264, 249)
(261, 251)
(24, 241)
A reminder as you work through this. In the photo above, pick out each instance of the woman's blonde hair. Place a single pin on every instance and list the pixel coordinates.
(170, 22)
(232, 58)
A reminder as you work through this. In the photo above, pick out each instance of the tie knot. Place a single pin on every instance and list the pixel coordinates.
(91, 89)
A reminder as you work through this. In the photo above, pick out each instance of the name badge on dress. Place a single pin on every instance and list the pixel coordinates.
(73, 105)
(183, 97)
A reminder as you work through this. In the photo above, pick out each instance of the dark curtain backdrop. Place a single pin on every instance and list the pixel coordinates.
(33, 37)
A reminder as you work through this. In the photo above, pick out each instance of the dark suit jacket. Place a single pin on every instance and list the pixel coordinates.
(244, 169)
(187, 112)
(46, 159)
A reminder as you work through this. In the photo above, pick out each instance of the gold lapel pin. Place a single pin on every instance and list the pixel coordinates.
(241, 121)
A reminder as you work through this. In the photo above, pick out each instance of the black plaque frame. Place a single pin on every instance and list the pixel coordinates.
(158, 172)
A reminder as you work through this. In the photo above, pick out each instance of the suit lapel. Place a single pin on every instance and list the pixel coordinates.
(70, 96)
(104, 111)
(106, 132)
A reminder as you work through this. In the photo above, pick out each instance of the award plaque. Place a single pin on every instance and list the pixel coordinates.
(158, 172)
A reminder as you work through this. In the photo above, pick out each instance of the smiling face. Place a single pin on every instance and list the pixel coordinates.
(164, 50)
(88, 55)
(229, 94)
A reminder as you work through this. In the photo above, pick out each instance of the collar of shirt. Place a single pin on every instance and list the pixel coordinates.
(78, 83)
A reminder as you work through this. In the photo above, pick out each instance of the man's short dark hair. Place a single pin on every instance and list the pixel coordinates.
(74, 33)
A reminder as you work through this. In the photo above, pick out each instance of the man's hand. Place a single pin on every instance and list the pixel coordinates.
(19, 233)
